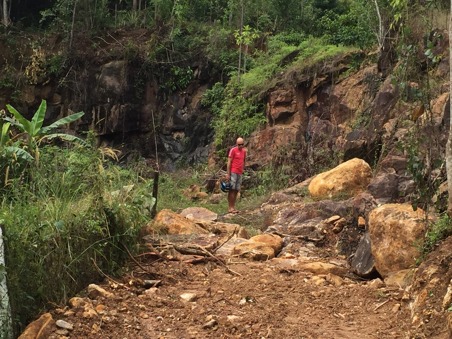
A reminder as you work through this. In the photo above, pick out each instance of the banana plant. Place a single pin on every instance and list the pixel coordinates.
(8, 147)
(34, 131)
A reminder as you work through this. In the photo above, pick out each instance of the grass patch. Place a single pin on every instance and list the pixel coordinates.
(437, 232)
(282, 57)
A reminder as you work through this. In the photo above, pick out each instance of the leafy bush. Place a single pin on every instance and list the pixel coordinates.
(351, 27)
(437, 232)
(239, 116)
(212, 98)
(71, 218)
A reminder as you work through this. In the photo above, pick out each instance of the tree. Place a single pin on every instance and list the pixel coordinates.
(5, 13)
(244, 37)
(449, 140)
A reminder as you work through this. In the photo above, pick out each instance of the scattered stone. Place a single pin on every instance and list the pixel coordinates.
(246, 300)
(89, 313)
(190, 297)
(64, 324)
(95, 291)
(233, 318)
(323, 268)
(361, 222)
(77, 302)
(334, 279)
(333, 219)
(319, 281)
(100, 308)
(339, 225)
(62, 332)
(210, 324)
(254, 251)
(396, 308)
(151, 283)
(376, 283)
(150, 291)
(69, 313)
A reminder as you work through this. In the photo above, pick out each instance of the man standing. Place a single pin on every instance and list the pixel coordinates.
(236, 164)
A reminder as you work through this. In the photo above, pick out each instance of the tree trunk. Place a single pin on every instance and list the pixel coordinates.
(5, 17)
(73, 24)
(449, 140)
(241, 38)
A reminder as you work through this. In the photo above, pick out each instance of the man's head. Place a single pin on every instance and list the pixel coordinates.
(240, 142)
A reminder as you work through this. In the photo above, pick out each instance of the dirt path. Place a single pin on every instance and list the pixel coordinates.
(259, 300)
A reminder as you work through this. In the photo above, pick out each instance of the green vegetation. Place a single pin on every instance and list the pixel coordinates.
(438, 231)
(68, 211)
(60, 208)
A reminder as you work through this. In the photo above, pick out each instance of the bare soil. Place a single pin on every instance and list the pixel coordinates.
(239, 299)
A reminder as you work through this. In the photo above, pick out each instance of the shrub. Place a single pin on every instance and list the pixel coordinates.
(70, 218)
(437, 232)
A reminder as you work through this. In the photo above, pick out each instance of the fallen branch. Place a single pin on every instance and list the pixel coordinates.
(200, 260)
(189, 250)
(136, 262)
(379, 305)
(219, 260)
(229, 238)
(107, 276)
(300, 237)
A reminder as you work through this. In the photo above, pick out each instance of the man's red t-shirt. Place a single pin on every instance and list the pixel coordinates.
(237, 155)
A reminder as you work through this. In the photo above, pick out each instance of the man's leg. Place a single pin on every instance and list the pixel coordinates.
(232, 196)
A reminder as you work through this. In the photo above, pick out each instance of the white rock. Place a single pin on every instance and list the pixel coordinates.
(64, 324)
(190, 297)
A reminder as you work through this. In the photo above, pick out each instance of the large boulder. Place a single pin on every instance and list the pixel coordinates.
(170, 222)
(396, 233)
(260, 247)
(362, 262)
(199, 214)
(344, 180)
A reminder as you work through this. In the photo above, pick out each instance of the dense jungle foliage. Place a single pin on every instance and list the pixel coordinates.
(69, 212)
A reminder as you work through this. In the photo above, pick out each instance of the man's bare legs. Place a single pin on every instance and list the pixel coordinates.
(232, 197)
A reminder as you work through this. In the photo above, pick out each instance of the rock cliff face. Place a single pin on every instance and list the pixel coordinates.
(314, 121)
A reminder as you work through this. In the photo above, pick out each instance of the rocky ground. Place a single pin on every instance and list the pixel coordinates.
(192, 296)
(252, 300)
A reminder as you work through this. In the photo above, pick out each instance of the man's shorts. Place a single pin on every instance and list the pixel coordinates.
(236, 181)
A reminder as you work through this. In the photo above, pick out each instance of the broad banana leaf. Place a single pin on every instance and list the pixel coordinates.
(65, 137)
(61, 122)
(23, 124)
(38, 118)
(19, 152)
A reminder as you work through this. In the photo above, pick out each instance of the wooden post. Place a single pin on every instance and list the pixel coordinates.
(155, 191)
(6, 325)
